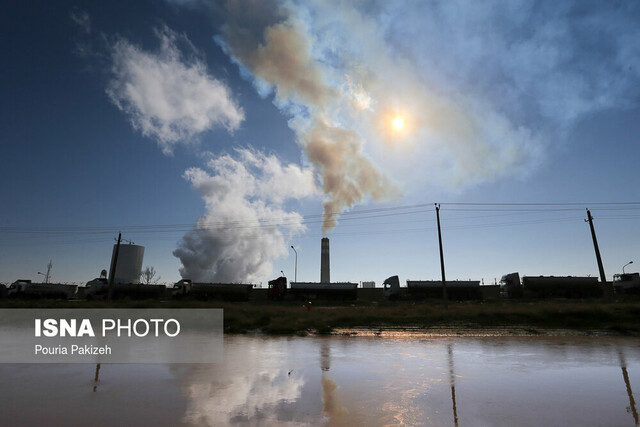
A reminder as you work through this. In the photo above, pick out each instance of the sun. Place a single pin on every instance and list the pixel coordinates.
(398, 123)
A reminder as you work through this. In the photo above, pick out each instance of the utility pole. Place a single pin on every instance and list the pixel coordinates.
(603, 278)
(113, 267)
(48, 276)
(444, 281)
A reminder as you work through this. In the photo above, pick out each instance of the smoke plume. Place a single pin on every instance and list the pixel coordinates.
(485, 89)
(347, 176)
(283, 61)
(246, 225)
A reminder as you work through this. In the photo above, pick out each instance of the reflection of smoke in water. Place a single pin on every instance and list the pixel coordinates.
(250, 386)
(332, 408)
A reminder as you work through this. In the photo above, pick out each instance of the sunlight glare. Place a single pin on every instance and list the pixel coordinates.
(398, 123)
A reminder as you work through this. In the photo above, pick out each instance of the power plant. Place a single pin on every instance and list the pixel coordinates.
(127, 260)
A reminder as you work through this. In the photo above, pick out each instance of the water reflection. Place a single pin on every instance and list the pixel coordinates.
(627, 383)
(332, 409)
(253, 385)
(344, 381)
(325, 355)
(453, 384)
(96, 378)
(387, 382)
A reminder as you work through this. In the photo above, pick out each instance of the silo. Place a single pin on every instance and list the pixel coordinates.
(129, 265)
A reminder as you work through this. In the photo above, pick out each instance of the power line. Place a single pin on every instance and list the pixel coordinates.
(543, 204)
(348, 217)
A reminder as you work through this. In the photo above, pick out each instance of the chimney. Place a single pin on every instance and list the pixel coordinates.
(324, 261)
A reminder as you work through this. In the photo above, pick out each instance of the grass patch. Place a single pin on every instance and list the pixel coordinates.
(290, 318)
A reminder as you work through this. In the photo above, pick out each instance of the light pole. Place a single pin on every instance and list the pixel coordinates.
(296, 275)
(46, 276)
(630, 262)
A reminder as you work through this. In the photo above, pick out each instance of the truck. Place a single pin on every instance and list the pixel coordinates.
(550, 286)
(99, 289)
(312, 290)
(28, 289)
(510, 286)
(626, 283)
(458, 290)
(225, 291)
(319, 290)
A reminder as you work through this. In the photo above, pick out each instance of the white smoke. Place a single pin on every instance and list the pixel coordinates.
(246, 224)
(169, 95)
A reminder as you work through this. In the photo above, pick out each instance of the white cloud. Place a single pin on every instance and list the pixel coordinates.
(169, 95)
(245, 225)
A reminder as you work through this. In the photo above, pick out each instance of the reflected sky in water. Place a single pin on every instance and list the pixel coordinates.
(345, 381)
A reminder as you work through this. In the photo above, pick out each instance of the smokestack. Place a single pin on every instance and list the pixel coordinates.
(324, 261)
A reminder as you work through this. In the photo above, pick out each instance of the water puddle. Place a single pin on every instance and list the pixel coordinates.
(391, 378)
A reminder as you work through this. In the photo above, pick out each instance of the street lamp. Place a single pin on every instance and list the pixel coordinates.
(48, 275)
(630, 262)
(296, 275)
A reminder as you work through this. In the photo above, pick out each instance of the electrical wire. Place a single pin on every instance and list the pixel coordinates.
(356, 218)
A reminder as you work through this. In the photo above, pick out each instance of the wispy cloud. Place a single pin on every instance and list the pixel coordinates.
(246, 225)
(82, 19)
(169, 95)
(532, 61)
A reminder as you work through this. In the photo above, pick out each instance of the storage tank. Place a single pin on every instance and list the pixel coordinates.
(129, 265)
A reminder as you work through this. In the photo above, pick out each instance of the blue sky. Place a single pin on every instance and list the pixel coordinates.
(216, 134)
